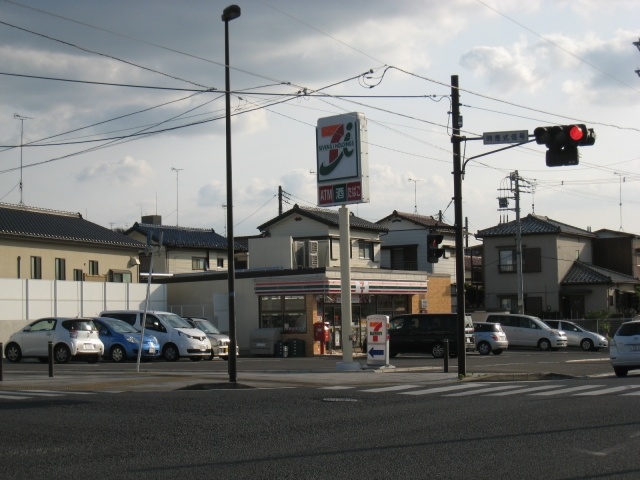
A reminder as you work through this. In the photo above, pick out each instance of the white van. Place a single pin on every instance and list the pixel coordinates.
(176, 337)
(528, 331)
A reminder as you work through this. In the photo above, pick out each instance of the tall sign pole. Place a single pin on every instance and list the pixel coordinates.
(457, 197)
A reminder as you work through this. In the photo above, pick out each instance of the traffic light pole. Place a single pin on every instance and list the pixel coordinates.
(457, 197)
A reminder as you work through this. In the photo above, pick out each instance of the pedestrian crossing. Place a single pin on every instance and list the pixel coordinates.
(30, 394)
(500, 389)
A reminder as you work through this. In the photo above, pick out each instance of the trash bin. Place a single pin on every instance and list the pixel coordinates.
(296, 347)
(281, 349)
(262, 341)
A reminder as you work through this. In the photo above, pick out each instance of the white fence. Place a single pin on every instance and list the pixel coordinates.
(22, 301)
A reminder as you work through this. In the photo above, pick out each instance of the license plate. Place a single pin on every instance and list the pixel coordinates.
(152, 350)
(634, 348)
(89, 346)
(203, 348)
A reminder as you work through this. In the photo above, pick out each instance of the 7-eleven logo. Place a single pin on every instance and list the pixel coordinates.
(337, 140)
(375, 333)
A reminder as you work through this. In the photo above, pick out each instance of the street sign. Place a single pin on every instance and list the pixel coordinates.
(513, 136)
(377, 340)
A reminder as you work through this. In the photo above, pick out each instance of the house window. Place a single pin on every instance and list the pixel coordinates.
(508, 303)
(93, 267)
(61, 269)
(120, 276)
(365, 250)
(531, 260)
(198, 263)
(77, 274)
(220, 262)
(286, 312)
(36, 267)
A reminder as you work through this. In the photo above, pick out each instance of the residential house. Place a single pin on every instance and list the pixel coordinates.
(558, 274)
(42, 244)
(618, 251)
(184, 249)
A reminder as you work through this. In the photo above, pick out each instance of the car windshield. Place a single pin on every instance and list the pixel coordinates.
(206, 326)
(81, 325)
(174, 320)
(120, 326)
(628, 330)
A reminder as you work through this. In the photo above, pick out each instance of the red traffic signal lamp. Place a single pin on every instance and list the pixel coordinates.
(434, 252)
(562, 142)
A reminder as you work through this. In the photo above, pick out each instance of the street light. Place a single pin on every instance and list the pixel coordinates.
(177, 170)
(230, 13)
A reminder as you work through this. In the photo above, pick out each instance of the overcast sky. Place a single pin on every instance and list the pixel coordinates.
(116, 124)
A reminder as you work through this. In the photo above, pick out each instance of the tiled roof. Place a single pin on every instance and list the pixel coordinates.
(40, 223)
(533, 225)
(323, 215)
(184, 237)
(424, 220)
(583, 273)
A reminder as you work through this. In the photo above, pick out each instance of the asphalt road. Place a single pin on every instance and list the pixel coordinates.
(320, 433)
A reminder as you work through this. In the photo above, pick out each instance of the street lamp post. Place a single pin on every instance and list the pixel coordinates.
(230, 13)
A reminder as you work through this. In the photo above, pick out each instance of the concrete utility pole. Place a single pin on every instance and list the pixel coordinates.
(456, 121)
(520, 281)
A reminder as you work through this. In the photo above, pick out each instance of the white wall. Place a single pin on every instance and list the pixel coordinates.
(26, 300)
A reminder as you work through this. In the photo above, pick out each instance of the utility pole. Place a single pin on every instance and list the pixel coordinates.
(456, 121)
(279, 199)
(520, 281)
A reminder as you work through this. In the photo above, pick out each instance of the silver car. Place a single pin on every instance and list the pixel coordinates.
(219, 341)
(624, 348)
(578, 336)
(490, 338)
(71, 337)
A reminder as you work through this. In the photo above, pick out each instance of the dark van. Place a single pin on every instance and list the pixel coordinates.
(426, 332)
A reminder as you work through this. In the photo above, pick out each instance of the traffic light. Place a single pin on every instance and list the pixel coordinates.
(562, 142)
(433, 250)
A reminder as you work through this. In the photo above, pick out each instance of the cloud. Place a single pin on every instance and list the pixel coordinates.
(128, 171)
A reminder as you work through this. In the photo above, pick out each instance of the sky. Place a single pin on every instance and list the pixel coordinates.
(116, 109)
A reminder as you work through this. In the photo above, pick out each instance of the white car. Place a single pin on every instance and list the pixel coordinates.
(490, 338)
(71, 337)
(624, 348)
(528, 331)
(578, 336)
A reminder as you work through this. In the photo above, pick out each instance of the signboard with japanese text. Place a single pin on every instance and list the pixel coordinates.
(342, 160)
(514, 136)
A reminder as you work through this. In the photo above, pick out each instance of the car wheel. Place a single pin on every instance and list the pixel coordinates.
(484, 348)
(93, 358)
(437, 350)
(118, 354)
(224, 357)
(171, 352)
(43, 359)
(195, 359)
(586, 345)
(544, 344)
(61, 353)
(620, 371)
(497, 352)
(13, 352)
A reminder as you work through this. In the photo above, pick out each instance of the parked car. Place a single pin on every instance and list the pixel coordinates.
(426, 332)
(219, 341)
(624, 348)
(71, 338)
(489, 338)
(528, 331)
(176, 337)
(578, 336)
(122, 341)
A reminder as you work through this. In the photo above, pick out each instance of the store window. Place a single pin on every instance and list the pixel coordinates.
(286, 312)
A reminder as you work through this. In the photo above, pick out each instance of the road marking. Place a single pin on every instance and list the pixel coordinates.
(567, 390)
(390, 389)
(440, 389)
(338, 387)
(482, 390)
(12, 396)
(525, 390)
(609, 390)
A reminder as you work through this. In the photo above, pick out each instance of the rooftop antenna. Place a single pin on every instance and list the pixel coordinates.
(622, 179)
(22, 118)
(177, 170)
(415, 193)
